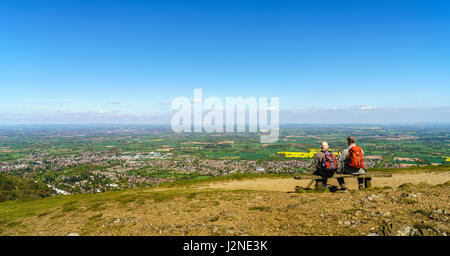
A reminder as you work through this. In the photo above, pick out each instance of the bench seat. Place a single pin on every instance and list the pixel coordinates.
(367, 178)
(367, 175)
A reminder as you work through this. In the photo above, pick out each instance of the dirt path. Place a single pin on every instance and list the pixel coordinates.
(286, 185)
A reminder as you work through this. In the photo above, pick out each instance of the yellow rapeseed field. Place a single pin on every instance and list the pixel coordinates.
(309, 154)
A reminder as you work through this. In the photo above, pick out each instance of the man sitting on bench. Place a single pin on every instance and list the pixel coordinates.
(325, 163)
(352, 162)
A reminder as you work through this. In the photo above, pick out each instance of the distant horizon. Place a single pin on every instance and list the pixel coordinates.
(281, 124)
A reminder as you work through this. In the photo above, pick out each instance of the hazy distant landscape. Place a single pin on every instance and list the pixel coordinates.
(98, 101)
(95, 159)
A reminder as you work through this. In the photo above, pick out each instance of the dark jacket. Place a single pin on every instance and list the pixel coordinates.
(318, 158)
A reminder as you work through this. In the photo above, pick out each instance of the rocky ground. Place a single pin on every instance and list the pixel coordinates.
(240, 208)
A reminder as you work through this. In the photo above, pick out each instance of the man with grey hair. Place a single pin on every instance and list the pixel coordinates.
(325, 163)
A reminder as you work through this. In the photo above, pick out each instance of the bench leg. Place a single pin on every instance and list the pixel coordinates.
(310, 183)
(319, 184)
(368, 182)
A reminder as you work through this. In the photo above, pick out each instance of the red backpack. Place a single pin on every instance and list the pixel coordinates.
(329, 162)
(355, 158)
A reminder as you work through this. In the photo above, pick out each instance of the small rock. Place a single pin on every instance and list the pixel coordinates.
(373, 234)
(372, 198)
(73, 234)
(355, 222)
(230, 231)
(214, 229)
(116, 221)
(439, 211)
(413, 195)
(347, 223)
(385, 214)
(406, 231)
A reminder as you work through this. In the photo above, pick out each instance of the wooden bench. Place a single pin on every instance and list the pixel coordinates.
(367, 178)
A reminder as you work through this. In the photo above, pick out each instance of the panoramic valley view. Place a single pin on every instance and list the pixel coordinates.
(224, 127)
(148, 180)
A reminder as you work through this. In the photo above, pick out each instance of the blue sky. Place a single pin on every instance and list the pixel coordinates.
(122, 61)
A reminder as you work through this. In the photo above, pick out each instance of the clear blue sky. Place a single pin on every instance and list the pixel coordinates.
(132, 57)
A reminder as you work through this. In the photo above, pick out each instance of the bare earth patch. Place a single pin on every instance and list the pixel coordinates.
(287, 185)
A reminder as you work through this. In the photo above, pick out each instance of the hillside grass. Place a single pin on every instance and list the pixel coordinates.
(61, 205)
(13, 188)
(14, 211)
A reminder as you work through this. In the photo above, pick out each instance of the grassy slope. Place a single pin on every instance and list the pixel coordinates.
(88, 209)
(12, 188)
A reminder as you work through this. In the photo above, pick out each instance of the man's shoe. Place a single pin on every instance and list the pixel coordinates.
(361, 186)
(343, 187)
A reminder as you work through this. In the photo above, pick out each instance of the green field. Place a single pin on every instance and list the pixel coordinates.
(85, 159)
